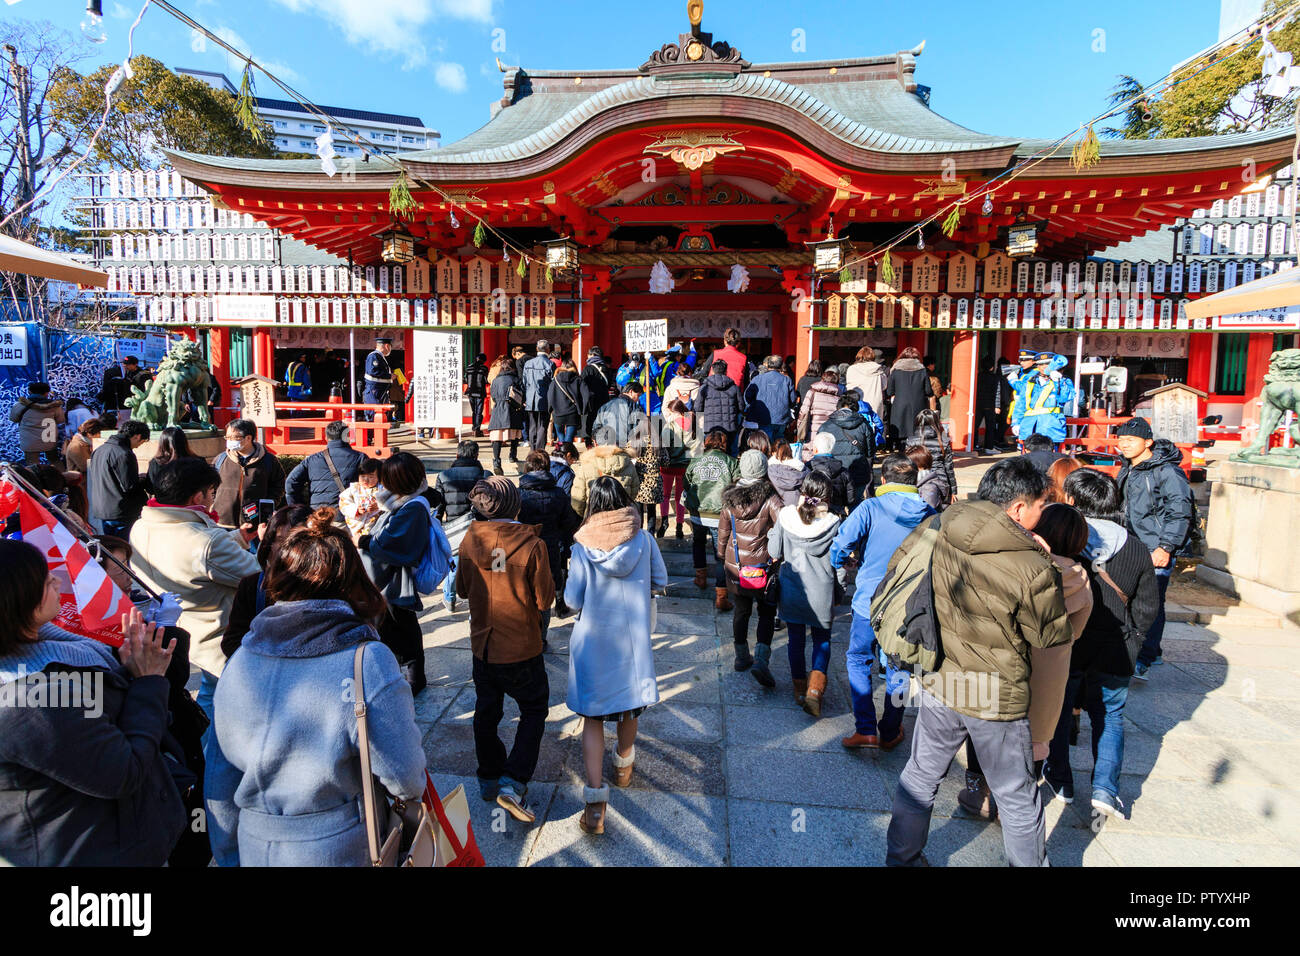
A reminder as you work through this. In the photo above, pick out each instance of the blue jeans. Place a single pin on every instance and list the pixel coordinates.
(1105, 701)
(1151, 646)
(821, 649)
(565, 433)
(860, 659)
(449, 584)
(207, 688)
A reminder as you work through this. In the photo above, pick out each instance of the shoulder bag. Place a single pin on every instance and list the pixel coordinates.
(751, 577)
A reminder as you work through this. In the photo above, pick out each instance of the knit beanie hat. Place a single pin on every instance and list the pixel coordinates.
(495, 497)
(753, 465)
(1135, 426)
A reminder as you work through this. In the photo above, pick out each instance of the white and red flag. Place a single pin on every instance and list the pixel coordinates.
(91, 605)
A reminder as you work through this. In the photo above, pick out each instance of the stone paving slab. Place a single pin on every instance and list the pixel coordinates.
(643, 828)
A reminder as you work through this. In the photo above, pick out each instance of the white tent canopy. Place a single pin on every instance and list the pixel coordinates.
(1278, 291)
(23, 257)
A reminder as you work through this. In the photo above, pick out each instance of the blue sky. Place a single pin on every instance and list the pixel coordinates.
(1031, 69)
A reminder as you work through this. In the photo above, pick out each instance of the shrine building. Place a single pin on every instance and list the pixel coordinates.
(703, 161)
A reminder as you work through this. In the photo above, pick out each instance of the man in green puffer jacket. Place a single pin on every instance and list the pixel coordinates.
(998, 597)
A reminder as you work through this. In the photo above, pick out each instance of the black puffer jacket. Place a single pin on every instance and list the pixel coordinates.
(454, 485)
(855, 447)
(543, 503)
(1115, 631)
(941, 453)
(1157, 498)
(83, 791)
(718, 404)
(838, 476)
(113, 480)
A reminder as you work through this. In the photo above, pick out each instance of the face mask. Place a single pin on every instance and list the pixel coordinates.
(232, 445)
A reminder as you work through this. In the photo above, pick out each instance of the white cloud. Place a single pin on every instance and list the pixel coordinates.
(392, 26)
(235, 64)
(119, 12)
(451, 77)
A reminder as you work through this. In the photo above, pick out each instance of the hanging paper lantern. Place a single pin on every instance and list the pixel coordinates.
(661, 280)
(739, 280)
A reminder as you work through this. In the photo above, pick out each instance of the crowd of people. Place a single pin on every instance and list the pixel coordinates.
(1046, 587)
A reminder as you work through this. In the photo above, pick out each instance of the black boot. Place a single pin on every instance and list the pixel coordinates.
(744, 660)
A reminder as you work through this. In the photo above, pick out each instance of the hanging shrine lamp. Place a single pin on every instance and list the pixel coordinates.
(399, 246)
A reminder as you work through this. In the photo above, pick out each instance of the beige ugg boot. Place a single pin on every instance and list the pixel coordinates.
(623, 767)
(593, 815)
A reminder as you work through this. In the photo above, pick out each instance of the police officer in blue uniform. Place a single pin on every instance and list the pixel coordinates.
(379, 376)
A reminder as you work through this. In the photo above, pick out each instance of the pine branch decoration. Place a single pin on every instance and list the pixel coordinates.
(480, 234)
(550, 275)
(400, 201)
(954, 219)
(1086, 152)
(887, 267)
(845, 276)
(246, 107)
(521, 270)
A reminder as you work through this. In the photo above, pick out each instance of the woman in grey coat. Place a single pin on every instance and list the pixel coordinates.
(801, 541)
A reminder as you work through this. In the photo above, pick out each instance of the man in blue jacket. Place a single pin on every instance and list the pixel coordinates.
(1158, 508)
(314, 482)
(537, 374)
(871, 534)
(770, 399)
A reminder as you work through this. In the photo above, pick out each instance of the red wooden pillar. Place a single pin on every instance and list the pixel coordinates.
(1257, 355)
(219, 365)
(263, 353)
(1200, 347)
(1010, 344)
(962, 403)
(807, 342)
(913, 338)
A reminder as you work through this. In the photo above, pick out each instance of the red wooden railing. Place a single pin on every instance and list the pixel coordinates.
(286, 437)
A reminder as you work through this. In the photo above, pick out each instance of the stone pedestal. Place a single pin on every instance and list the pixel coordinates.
(1251, 536)
(205, 444)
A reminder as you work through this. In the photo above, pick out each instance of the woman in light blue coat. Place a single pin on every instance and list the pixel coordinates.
(613, 568)
(283, 782)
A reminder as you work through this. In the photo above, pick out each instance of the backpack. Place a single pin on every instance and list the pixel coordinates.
(436, 561)
(877, 426)
(902, 608)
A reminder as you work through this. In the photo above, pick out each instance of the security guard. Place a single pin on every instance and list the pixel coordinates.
(298, 377)
(379, 375)
(1043, 399)
(1026, 360)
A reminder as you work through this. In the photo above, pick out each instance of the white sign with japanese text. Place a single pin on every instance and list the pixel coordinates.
(648, 336)
(437, 382)
(13, 345)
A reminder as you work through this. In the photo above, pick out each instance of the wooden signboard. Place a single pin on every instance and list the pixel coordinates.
(943, 312)
(475, 310)
(961, 273)
(907, 311)
(447, 275)
(1174, 412)
(508, 280)
(478, 276)
(834, 306)
(997, 273)
(462, 310)
(417, 276)
(1012, 318)
(896, 283)
(446, 310)
(888, 306)
(535, 308)
(858, 273)
(852, 311)
(549, 306)
(870, 311)
(537, 283)
(925, 311)
(925, 273)
(519, 308)
(257, 400)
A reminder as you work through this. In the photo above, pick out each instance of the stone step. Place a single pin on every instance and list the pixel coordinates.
(1241, 615)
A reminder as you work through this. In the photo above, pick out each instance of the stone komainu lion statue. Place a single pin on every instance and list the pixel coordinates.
(180, 372)
(1281, 394)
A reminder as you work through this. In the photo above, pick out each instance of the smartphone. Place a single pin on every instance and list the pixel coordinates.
(265, 508)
